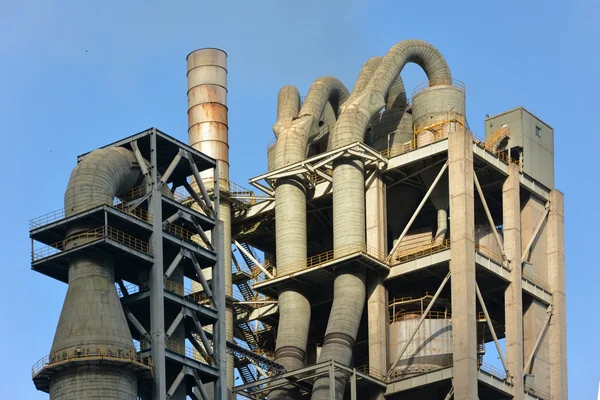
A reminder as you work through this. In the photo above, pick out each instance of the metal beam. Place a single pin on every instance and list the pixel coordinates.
(254, 260)
(200, 386)
(172, 219)
(489, 215)
(137, 324)
(414, 332)
(201, 278)
(170, 169)
(538, 341)
(414, 216)
(122, 287)
(197, 198)
(491, 328)
(353, 385)
(157, 293)
(535, 232)
(332, 380)
(174, 264)
(176, 382)
(201, 333)
(407, 177)
(201, 186)
(198, 348)
(174, 324)
(141, 162)
(450, 394)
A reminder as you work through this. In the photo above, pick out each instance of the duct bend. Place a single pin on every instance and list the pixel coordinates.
(290, 215)
(92, 316)
(349, 196)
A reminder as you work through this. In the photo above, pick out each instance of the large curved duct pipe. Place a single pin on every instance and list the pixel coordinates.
(92, 316)
(349, 198)
(294, 134)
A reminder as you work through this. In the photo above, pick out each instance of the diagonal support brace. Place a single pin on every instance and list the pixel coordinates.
(174, 264)
(201, 278)
(416, 329)
(170, 169)
(200, 184)
(174, 324)
(538, 341)
(200, 386)
(141, 162)
(414, 216)
(491, 328)
(489, 215)
(254, 260)
(535, 233)
(138, 326)
(176, 382)
(201, 333)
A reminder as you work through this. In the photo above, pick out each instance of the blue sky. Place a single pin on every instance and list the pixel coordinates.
(77, 75)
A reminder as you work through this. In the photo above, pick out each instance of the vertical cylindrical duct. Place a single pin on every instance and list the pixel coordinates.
(208, 132)
(92, 319)
(437, 111)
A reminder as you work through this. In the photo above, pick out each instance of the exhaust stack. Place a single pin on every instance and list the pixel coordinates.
(208, 132)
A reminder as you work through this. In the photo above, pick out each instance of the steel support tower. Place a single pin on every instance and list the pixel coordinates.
(156, 236)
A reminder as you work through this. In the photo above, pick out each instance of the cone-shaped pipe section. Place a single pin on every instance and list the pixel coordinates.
(92, 316)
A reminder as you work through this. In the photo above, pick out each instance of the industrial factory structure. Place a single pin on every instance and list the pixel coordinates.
(385, 250)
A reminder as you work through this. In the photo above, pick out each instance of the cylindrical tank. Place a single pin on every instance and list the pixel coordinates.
(430, 349)
(208, 132)
(436, 110)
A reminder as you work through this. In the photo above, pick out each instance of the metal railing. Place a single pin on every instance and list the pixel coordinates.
(536, 281)
(322, 258)
(59, 214)
(437, 122)
(91, 236)
(407, 147)
(180, 290)
(488, 146)
(538, 392)
(184, 234)
(407, 315)
(498, 373)
(372, 371)
(492, 255)
(418, 252)
(130, 288)
(437, 82)
(89, 354)
(187, 352)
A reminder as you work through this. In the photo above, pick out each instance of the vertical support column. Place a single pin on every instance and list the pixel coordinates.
(462, 264)
(513, 296)
(222, 388)
(556, 274)
(157, 306)
(376, 219)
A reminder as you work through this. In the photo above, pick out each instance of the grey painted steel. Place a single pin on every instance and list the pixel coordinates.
(157, 302)
(92, 315)
(290, 216)
(349, 195)
(492, 330)
(412, 335)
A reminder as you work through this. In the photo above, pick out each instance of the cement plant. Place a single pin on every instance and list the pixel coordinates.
(385, 250)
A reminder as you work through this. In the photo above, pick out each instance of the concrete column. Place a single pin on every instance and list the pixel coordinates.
(375, 200)
(556, 274)
(513, 296)
(535, 314)
(462, 264)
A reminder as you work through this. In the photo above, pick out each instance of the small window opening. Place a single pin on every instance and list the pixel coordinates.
(538, 131)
